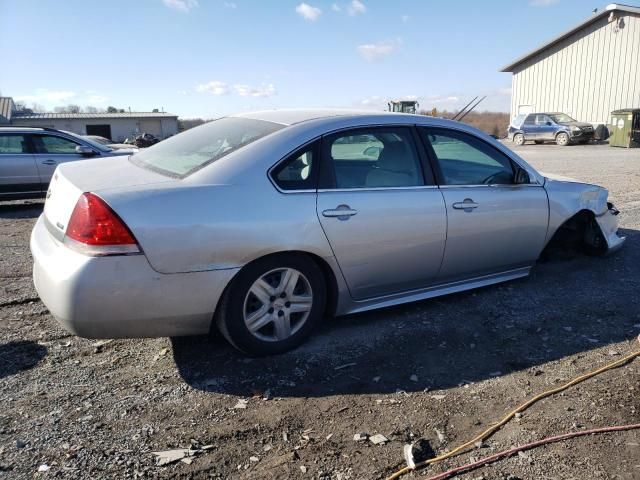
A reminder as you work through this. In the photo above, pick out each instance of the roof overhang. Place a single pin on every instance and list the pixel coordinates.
(594, 18)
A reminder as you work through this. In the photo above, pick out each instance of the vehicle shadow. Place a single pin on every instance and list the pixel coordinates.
(18, 356)
(565, 307)
(24, 209)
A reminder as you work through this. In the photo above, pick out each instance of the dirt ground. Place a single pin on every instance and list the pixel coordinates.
(439, 370)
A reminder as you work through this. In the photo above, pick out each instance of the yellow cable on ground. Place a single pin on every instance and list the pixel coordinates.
(491, 430)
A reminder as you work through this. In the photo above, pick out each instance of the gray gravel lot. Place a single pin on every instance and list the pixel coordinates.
(440, 370)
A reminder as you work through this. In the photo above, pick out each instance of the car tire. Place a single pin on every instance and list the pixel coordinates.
(260, 291)
(562, 139)
(518, 139)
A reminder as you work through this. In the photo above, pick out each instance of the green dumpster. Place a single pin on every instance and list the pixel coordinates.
(625, 128)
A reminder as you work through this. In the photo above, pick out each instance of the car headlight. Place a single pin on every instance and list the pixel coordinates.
(575, 129)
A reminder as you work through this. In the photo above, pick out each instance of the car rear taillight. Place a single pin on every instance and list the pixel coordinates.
(95, 229)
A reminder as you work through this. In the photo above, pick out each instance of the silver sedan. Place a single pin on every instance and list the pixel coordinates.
(261, 224)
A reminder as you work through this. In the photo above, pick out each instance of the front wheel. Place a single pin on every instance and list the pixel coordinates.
(562, 139)
(273, 304)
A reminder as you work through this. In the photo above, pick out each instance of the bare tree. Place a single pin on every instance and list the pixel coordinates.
(90, 109)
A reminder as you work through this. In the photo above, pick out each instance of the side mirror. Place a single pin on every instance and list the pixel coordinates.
(549, 124)
(522, 177)
(84, 150)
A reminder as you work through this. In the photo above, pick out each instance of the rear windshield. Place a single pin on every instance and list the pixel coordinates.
(183, 154)
(518, 120)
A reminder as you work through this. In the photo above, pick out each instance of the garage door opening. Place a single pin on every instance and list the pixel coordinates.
(100, 130)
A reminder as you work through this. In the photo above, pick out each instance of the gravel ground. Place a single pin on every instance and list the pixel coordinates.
(438, 370)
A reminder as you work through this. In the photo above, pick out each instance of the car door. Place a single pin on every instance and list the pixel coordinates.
(546, 128)
(52, 150)
(530, 128)
(18, 171)
(380, 210)
(494, 223)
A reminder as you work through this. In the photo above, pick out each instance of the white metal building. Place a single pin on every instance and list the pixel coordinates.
(586, 72)
(116, 126)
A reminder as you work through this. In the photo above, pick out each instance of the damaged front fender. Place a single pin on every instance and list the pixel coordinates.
(570, 199)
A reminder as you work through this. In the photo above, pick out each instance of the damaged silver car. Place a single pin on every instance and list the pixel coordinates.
(260, 225)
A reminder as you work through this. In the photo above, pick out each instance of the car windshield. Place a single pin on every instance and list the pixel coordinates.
(561, 118)
(183, 154)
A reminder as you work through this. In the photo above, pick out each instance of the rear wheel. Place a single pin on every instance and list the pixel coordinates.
(518, 139)
(273, 304)
(562, 139)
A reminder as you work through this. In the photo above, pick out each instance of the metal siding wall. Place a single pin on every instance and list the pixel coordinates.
(587, 75)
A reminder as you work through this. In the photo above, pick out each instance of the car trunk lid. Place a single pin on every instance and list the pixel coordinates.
(71, 180)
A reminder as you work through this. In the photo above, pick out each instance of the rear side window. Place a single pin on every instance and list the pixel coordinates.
(466, 160)
(187, 152)
(530, 120)
(299, 170)
(13, 144)
(373, 157)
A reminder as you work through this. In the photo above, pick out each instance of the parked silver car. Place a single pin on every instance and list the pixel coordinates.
(29, 156)
(260, 224)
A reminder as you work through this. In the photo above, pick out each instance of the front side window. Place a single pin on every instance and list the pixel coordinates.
(54, 145)
(542, 120)
(298, 171)
(561, 118)
(13, 144)
(466, 160)
(187, 152)
(373, 158)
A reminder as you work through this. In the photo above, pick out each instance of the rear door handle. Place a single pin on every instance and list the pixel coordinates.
(49, 162)
(467, 205)
(341, 212)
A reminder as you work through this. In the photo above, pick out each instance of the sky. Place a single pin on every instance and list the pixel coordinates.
(206, 58)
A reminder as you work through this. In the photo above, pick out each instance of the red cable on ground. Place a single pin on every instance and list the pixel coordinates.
(528, 446)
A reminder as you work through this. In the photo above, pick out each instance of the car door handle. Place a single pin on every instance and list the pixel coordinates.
(467, 205)
(341, 212)
(49, 162)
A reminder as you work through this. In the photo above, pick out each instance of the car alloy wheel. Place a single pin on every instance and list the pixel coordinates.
(273, 304)
(278, 304)
(518, 139)
(562, 139)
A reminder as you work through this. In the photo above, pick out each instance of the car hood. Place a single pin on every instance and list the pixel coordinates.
(119, 151)
(576, 124)
(559, 178)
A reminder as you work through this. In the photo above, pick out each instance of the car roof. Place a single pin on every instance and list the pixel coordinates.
(294, 116)
(17, 128)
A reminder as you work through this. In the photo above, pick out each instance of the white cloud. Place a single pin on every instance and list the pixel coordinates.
(230, 4)
(542, 3)
(214, 87)
(308, 12)
(55, 98)
(336, 8)
(181, 5)
(264, 90)
(356, 7)
(376, 51)
(42, 95)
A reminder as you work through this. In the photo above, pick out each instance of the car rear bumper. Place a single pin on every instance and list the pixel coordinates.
(121, 296)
